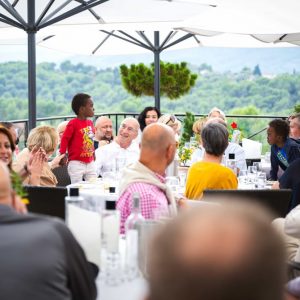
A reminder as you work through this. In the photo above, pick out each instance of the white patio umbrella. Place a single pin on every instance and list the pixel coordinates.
(269, 21)
(32, 16)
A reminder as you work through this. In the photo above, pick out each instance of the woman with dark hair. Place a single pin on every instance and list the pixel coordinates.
(149, 115)
(283, 149)
(7, 148)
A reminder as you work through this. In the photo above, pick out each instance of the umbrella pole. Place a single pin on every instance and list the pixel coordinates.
(31, 64)
(156, 70)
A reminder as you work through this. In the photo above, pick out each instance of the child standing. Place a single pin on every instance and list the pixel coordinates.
(77, 140)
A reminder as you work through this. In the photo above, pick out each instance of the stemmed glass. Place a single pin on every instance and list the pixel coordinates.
(173, 182)
(252, 171)
(258, 166)
(243, 177)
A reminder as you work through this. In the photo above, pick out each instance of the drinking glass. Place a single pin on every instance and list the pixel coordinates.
(251, 174)
(173, 183)
(261, 180)
(258, 166)
(243, 177)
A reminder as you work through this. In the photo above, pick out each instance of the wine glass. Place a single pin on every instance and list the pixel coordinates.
(258, 166)
(173, 182)
(251, 174)
(261, 180)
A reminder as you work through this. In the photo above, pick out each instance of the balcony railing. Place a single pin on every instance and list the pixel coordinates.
(252, 122)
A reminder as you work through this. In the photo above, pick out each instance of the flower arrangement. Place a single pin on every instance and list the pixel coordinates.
(185, 154)
(235, 134)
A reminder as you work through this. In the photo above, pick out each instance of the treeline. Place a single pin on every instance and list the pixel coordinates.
(56, 85)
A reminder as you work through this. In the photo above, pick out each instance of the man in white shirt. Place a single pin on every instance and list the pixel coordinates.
(122, 151)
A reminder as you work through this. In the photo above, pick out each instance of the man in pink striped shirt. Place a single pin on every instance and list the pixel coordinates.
(147, 176)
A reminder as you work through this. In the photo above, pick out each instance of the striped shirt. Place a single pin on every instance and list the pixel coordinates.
(153, 201)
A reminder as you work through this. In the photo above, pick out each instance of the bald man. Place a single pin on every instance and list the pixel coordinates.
(217, 252)
(147, 176)
(123, 148)
(103, 132)
(39, 257)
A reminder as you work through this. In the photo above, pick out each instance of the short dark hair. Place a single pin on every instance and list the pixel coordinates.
(215, 138)
(78, 101)
(281, 128)
(177, 272)
(142, 115)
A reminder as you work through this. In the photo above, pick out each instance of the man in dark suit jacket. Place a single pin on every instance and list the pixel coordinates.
(39, 257)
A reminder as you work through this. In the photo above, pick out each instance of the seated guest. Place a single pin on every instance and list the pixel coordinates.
(61, 127)
(103, 132)
(232, 148)
(198, 153)
(148, 116)
(283, 149)
(227, 252)
(147, 176)
(61, 172)
(209, 173)
(122, 147)
(13, 131)
(44, 137)
(40, 258)
(173, 122)
(295, 127)
(34, 166)
(291, 180)
(216, 113)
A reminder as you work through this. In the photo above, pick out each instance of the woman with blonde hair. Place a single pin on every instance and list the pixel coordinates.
(46, 139)
(197, 129)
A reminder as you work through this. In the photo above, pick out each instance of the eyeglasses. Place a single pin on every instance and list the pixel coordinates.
(130, 129)
(172, 118)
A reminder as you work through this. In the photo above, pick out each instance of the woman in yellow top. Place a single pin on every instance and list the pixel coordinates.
(209, 173)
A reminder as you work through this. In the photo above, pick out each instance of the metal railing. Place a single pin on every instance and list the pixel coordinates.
(117, 118)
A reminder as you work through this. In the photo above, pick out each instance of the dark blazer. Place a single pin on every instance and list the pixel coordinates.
(40, 259)
(292, 150)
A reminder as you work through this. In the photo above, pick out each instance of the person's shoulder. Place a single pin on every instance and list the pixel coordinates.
(293, 142)
(142, 188)
(105, 148)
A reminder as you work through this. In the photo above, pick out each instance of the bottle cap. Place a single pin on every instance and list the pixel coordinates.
(74, 192)
(231, 156)
(112, 189)
(110, 205)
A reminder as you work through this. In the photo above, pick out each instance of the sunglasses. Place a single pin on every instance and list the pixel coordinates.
(172, 118)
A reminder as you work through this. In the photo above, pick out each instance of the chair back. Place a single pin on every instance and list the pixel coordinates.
(47, 200)
(277, 201)
(62, 175)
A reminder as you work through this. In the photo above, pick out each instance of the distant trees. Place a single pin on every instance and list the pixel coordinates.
(56, 85)
(176, 79)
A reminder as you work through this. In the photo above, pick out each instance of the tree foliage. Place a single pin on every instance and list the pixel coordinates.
(176, 79)
(187, 131)
(57, 84)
